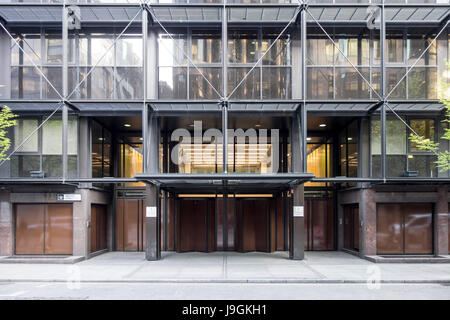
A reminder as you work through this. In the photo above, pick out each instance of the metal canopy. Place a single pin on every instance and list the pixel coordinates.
(209, 182)
(30, 14)
(363, 108)
(187, 14)
(261, 14)
(331, 107)
(238, 106)
(212, 13)
(85, 108)
(402, 14)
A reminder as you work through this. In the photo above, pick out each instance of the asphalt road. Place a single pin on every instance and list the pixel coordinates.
(225, 291)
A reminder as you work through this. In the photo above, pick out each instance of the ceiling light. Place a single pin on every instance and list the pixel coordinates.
(308, 139)
(257, 125)
(322, 125)
(349, 138)
(127, 125)
(141, 138)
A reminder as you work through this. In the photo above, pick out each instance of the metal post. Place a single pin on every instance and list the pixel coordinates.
(383, 90)
(65, 111)
(224, 90)
(144, 80)
(304, 90)
(224, 137)
(224, 51)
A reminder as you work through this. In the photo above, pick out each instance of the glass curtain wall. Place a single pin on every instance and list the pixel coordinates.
(245, 154)
(42, 153)
(130, 161)
(43, 49)
(331, 76)
(319, 157)
(271, 79)
(101, 151)
(402, 51)
(118, 74)
(403, 158)
(178, 79)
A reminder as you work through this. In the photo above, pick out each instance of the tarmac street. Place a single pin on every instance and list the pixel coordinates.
(221, 291)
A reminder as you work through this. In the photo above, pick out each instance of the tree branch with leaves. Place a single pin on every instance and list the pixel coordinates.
(7, 120)
(426, 144)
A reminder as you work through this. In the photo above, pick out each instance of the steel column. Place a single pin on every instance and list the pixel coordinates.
(65, 111)
(383, 90)
(224, 137)
(144, 81)
(224, 91)
(304, 90)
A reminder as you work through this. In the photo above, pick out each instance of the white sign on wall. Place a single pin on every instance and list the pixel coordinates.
(69, 197)
(150, 212)
(298, 211)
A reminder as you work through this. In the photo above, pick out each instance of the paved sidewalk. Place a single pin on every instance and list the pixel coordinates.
(318, 267)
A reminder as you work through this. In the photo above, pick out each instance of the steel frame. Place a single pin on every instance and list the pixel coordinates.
(147, 12)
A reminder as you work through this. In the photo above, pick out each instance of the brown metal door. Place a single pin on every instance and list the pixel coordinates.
(193, 225)
(404, 229)
(29, 229)
(59, 229)
(319, 224)
(254, 233)
(44, 229)
(130, 225)
(389, 229)
(98, 227)
(418, 229)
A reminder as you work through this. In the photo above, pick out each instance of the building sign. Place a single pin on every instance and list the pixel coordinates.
(150, 212)
(69, 197)
(298, 211)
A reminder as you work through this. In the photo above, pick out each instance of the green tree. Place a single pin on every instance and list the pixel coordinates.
(427, 144)
(7, 120)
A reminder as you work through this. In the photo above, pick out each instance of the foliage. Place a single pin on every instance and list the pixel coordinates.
(7, 120)
(426, 144)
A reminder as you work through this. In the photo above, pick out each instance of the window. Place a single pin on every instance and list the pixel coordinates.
(43, 50)
(319, 158)
(403, 158)
(131, 161)
(178, 79)
(43, 151)
(101, 151)
(271, 78)
(349, 150)
(331, 75)
(119, 70)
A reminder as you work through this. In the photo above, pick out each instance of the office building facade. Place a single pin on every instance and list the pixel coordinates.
(210, 126)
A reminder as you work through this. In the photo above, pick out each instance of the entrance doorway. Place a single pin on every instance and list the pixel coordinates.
(351, 227)
(195, 225)
(253, 232)
(252, 223)
(130, 227)
(319, 224)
